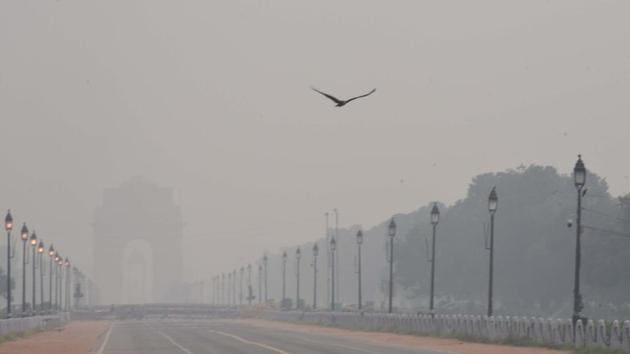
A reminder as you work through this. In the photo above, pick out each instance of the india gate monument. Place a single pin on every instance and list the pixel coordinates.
(138, 244)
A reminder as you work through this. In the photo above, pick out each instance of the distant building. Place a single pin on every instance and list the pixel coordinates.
(137, 244)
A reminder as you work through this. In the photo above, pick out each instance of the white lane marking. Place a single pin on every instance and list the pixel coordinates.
(336, 345)
(104, 343)
(174, 343)
(243, 340)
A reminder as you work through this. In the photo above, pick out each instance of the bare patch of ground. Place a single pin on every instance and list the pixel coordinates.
(74, 338)
(408, 341)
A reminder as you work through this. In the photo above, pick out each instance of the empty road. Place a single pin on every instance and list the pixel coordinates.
(229, 337)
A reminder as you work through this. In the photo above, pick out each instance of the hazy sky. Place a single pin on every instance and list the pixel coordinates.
(212, 98)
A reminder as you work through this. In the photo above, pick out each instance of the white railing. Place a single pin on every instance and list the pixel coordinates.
(25, 324)
(499, 328)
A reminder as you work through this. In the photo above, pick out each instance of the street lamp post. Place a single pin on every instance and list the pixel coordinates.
(333, 248)
(435, 219)
(240, 295)
(8, 226)
(260, 270)
(265, 259)
(58, 262)
(315, 254)
(284, 278)
(40, 252)
(33, 242)
(249, 284)
(223, 290)
(391, 233)
(24, 237)
(579, 178)
(68, 284)
(359, 293)
(298, 255)
(51, 273)
(229, 288)
(492, 208)
(234, 287)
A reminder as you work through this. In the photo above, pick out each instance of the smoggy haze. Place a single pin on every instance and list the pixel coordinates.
(212, 98)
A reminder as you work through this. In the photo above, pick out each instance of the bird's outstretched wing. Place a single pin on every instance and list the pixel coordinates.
(367, 94)
(335, 99)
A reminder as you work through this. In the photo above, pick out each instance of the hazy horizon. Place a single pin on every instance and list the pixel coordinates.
(213, 99)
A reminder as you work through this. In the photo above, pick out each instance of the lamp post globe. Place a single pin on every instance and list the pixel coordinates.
(24, 232)
(392, 228)
(8, 221)
(579, 173)
(435, 214)
(493, 201)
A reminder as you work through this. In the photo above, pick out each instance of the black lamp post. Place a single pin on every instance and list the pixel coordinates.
(8, 226)
(67, 284)
(315, 254)
(359, 243)
(229, 288)
(51, 273)
(284, 277)
(492, 208)
(240, 286)
(265, 260)
(333, 248)
(40, 253)
(435, 219)
(234, 286)
(57, 259)
(250, 295)
(33, 242)
(24, 234)
(391, 232)
(260, 271)
(579, 179)
(298, 256)
(24, 237)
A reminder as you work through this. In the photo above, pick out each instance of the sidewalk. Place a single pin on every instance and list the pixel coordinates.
(75, 338)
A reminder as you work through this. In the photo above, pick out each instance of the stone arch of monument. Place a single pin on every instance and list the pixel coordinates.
(138, 244)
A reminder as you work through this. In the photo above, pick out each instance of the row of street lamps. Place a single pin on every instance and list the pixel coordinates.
(579, 175)
(58, 267)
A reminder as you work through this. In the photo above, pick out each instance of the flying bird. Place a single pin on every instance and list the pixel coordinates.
(341, 103)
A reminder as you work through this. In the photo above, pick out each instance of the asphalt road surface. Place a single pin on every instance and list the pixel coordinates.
(226, 337)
